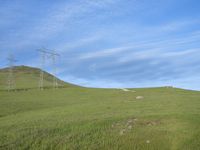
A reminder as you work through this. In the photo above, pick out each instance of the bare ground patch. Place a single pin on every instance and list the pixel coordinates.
(128, 125)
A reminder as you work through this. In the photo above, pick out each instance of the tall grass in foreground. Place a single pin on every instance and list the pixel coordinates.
(81, 118)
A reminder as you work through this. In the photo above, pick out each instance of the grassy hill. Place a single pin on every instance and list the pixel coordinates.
(28, 77)
(107, 119)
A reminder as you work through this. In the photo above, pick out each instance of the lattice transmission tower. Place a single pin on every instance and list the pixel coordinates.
(11, 78)
(54, 55)
(45, 53)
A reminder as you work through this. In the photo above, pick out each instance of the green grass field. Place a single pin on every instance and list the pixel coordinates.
(77, 118)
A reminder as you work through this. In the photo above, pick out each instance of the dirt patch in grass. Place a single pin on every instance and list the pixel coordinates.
(126, 126)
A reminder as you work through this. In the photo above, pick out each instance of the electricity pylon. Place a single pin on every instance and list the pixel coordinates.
(11, 78)
(51, 54)
(43, 54)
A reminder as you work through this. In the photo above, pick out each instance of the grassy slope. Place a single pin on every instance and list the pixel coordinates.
(83, 118)
(27, 77)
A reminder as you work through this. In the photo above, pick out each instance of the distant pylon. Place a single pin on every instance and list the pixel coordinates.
(52, 54)
(11, 79)
(43, 54)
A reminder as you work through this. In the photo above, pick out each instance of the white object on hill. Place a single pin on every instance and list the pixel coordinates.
(125, 90)
(140, 97)
(147, 141)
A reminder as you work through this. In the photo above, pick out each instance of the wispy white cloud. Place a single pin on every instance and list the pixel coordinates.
(103, 53)
(174, 25)
(67, 46)
(58, 19)
(146, 48)
(157, 54)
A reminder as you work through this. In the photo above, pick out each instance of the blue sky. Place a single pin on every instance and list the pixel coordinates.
(107, 43)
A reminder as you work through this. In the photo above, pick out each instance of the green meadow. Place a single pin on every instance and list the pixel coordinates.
(78, 118)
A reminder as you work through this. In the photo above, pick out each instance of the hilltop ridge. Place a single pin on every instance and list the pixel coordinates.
(28, 77)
